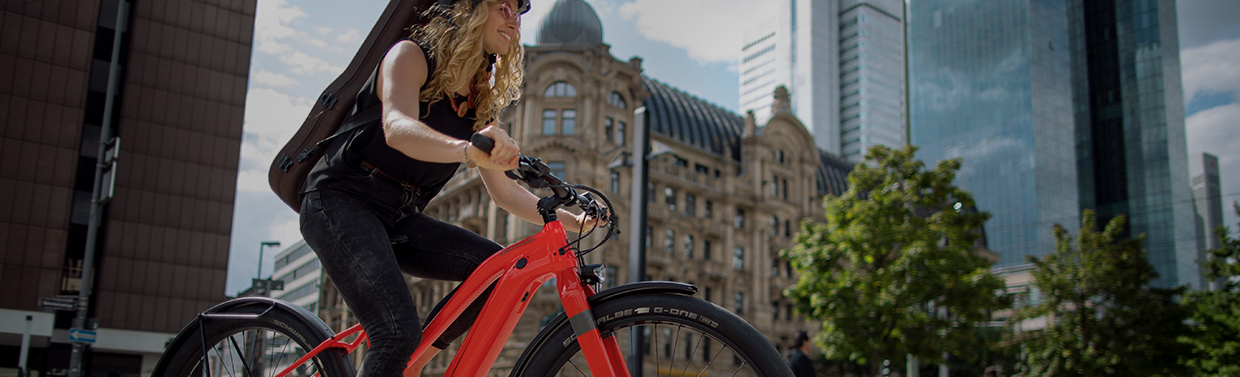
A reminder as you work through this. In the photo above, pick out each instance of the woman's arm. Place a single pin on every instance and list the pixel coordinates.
(401, 76)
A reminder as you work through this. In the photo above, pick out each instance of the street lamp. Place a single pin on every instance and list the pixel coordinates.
(642, 152)
(260, 255)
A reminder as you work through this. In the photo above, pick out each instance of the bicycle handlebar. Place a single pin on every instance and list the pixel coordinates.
(537, 174)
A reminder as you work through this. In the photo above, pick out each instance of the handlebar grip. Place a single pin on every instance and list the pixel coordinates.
(482, 142)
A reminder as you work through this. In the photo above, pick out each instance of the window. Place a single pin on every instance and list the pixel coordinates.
(669, 195)
(649, 236)
(617, 100)
(774, 226)
(568, 121)
(779, 156)
(669, 243)
(690, 204)
(739, 302)
(774, 266)
(787, 228)
(706, 251)
(615, 181)
(710, 210)
(738, 258)
(560, 89)
(739, 220)
(557, 168)
(774, 186)
(650, 197)
(785, 187)
(701, 169)
(620, 130)
(680, 162)
(608, 128)
(548, 127)
(689, 246)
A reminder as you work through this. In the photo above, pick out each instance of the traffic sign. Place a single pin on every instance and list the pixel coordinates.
(59, 303)
(77, 335)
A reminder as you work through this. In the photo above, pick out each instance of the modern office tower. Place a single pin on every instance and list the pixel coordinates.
(1208, 199)
(162, 249)
(299, 269)
(1131, 149)
(991, 83)
(843, 63)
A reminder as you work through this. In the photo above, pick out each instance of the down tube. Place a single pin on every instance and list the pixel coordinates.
(513, 291)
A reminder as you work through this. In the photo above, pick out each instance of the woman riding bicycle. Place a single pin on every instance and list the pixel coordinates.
(447, 81)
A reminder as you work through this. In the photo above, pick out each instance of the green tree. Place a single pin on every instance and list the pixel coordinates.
(1097, 315)
(898, 249)
(1216, 314)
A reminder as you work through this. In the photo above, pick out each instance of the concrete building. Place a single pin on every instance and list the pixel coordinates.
(299, 269)
(163, 246)
(843, 62)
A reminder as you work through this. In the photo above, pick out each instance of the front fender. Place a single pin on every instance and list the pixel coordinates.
(560, 320)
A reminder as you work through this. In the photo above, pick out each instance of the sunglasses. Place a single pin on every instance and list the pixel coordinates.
(506, 11)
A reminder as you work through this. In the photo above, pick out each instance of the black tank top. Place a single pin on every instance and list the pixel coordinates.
(367, 143)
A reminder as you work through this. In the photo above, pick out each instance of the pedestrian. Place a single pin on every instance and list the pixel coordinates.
(447, 81)
(798, 356)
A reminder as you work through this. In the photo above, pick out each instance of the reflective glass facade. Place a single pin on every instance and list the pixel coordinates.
(990, 82)
(1131, 145)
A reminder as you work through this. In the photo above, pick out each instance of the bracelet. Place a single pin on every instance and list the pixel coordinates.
(468, 163)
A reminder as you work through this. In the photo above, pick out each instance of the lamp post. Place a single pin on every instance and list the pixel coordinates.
(260, 255)
(637, 222)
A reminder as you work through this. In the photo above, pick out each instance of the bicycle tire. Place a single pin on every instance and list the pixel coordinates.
(559, 354)
(285, 338)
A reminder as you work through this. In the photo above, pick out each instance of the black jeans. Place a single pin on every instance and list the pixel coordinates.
(350, 224)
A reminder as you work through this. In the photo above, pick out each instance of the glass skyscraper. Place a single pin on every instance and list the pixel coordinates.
(1058, 106)
(843, 64)
(990, 82)
(1131, 149)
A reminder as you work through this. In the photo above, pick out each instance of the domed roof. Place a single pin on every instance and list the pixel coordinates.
(571, 22)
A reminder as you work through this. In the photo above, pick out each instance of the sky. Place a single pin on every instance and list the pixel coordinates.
(302, 45)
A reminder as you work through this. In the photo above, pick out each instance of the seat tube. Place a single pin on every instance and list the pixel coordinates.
(602, 356)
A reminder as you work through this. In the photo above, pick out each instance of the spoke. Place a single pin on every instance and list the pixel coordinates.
(712, 360)
(672, 359)
(691, 353)
(738, 369)
(240, 355)
(570, 362)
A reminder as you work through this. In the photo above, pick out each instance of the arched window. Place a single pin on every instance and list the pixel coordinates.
(560, 89)
(617, 100)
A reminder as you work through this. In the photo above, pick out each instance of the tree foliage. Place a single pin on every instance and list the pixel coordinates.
(1216, 314)
(1100, 316)
(897, 247)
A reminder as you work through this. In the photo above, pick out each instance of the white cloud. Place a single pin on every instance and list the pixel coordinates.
(271, 118)
(350, 37)
(1213, 68)
(304, 64)
(271, 21)
(710, 30)
(263, 77)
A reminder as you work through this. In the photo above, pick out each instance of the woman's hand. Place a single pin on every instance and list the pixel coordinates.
(504, 156)
(586, 223)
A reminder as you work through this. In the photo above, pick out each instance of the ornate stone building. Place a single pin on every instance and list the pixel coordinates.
(721, 207)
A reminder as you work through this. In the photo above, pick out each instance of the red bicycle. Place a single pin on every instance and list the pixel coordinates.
(682, 335)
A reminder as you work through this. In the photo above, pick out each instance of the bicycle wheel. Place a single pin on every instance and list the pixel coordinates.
(683, 336)
(250, 340)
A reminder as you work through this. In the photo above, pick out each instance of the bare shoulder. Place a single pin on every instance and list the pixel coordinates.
(405, 63)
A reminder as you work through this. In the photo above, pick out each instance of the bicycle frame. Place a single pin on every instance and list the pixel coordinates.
(520, 269)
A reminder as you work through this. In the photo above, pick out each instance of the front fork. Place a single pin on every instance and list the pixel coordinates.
(602, 355)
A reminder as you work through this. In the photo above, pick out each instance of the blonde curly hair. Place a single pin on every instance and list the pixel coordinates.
(455, 39)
